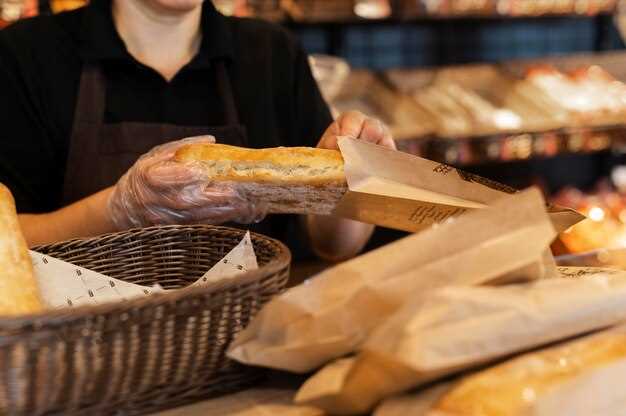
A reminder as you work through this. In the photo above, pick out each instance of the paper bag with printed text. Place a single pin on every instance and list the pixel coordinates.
(333, 313)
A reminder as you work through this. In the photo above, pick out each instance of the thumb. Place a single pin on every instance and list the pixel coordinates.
(168, 150)
(171, 174)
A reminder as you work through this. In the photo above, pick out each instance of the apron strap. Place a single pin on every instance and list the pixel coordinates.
(91, 95)
(225, 91)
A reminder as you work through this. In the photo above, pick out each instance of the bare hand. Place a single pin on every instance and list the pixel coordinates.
(358, 125)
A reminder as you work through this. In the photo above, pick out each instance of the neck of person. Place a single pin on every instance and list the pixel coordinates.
(161, 39)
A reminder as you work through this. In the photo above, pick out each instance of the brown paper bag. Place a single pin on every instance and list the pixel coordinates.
(412, 404)
(352, 386)
(457, 328)
(330, 315)
(580, 378)
(254, 402)
(578, 272)
(405, 192)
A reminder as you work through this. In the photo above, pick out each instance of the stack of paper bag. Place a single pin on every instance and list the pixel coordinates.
(457, 328)
(333, 314)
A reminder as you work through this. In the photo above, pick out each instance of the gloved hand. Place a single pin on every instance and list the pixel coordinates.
(159, 190)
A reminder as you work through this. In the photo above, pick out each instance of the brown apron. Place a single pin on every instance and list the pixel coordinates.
(99, 154)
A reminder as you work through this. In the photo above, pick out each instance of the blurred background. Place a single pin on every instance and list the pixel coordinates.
(525, 92)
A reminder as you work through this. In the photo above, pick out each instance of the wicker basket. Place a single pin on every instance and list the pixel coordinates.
(147, 354)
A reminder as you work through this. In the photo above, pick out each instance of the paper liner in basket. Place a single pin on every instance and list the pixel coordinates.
(458, 328)
(331, 314)
(405, 192)
(585, 377)
(63, 284)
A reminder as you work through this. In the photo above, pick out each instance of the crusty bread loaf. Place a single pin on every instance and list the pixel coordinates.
(288, 179)
(571, 375)
(19, 293)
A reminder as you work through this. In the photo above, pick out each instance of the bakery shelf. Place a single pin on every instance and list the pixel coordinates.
(312, 12)
(514, 147)
(339, 22)
(464, 131)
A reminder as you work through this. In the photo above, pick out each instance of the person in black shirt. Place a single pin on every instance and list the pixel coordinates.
(84, 94)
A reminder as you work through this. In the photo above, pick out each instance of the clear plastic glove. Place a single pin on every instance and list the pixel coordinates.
(159, 190)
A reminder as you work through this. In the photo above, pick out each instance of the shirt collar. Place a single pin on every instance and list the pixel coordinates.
(100, 40)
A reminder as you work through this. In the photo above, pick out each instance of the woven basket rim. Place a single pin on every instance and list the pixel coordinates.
(49, 319)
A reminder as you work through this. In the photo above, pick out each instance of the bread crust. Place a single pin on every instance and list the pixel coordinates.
(281, 165)
(286, 180)
(499, 390)
(19, 292)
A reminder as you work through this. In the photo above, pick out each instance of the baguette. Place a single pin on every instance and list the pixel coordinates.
(580, 378)
(19, 293)
(288, 180)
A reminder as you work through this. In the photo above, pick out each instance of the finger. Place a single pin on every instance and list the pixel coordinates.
(166, 216)
(216, 214)
(351, 123)
(161, 216)
(389, 143)
(170, 173)
(329, 138)
(170, 200)
(373, 131)
(387, 139)
(348, 124)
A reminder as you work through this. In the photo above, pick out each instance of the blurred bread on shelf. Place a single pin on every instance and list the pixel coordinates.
(58, 6)
(322, 11)
(504, 8)
(499, 90)
(474, 100)
(365, 92)
(330, 72)
(589, 95)
(605, 226)
(264, 9)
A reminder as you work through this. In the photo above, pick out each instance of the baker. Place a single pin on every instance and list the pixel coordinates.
(89, 95)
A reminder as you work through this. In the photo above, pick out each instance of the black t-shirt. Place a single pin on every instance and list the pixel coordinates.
(40, 66)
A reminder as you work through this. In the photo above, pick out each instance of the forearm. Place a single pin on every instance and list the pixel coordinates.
(85, 218)
(334, 238)
(337, 239)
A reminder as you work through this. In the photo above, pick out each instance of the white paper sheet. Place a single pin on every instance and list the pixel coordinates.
(66, 285)
(239, 260)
